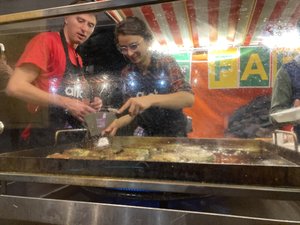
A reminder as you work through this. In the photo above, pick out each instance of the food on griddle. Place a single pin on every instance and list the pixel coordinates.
(78, 153)
(165, 157)
(168, 152)
(197, 155)
(131, 154)
(58, 156)
(98, 155)
(180, 153)
(229, 158)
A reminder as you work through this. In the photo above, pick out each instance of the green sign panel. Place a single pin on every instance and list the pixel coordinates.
(254, 67)
(184, 61)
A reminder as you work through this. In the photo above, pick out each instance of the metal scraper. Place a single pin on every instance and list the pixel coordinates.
(96, 123)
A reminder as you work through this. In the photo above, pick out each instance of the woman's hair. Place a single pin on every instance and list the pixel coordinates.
(133, 26)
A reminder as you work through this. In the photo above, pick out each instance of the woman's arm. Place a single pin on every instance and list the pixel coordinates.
(112, 129)
(175, 100)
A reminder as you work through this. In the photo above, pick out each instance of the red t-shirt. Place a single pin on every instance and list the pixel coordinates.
(46, 52)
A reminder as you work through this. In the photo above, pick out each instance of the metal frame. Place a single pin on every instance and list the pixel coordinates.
(71, 9)
(292, 134)
(81, 213)
(284, 193)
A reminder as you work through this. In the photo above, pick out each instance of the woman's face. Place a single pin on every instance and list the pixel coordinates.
(134, 47)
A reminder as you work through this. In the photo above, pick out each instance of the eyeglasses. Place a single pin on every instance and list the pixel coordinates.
(132, 47)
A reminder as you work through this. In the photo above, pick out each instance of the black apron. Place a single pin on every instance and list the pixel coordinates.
(155, 121)
(73, 85)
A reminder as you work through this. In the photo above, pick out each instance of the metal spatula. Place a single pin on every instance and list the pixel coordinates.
(96, 123)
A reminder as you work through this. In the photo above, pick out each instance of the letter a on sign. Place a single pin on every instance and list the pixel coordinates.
(254, 66)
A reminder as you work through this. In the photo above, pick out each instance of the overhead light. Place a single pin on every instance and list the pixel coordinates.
(287, 39)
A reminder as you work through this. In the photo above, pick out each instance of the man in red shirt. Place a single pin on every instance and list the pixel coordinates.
(47, 74)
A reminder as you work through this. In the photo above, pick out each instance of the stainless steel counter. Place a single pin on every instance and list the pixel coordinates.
(216, 193)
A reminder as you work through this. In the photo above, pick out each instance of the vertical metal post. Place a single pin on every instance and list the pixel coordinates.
(3, 187)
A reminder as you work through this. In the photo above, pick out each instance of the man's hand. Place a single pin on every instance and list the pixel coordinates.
(96, 103)
(297, 103)
(77, 108)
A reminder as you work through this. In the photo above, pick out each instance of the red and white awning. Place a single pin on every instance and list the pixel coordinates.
(203, 23)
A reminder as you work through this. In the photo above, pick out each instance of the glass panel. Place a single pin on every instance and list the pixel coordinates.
(228, 51)
(201, 90)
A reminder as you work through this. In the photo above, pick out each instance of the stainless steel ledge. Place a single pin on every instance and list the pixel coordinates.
(81, 213)
(284, 193)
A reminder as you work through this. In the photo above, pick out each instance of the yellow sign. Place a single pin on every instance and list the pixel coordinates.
(223, 68)
(259, 70)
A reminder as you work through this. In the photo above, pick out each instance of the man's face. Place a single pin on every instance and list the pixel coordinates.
(78, 28)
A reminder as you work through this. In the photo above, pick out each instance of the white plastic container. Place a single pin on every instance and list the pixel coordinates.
(287, 115)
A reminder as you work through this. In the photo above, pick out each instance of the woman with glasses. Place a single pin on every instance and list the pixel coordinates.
(155, 91)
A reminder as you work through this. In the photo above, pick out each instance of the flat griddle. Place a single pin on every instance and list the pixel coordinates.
(283, 174)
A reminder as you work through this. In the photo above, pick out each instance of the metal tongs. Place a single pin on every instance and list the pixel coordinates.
(97, 122)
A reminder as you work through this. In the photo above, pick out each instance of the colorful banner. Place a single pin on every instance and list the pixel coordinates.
(184, 61)
(223, 68)
(239, 67)
(254, 67)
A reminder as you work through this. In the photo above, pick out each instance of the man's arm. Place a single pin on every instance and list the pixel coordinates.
(282, 92)
(20, 86)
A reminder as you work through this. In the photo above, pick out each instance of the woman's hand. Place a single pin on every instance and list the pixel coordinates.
(112, 129)
(137, 105)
